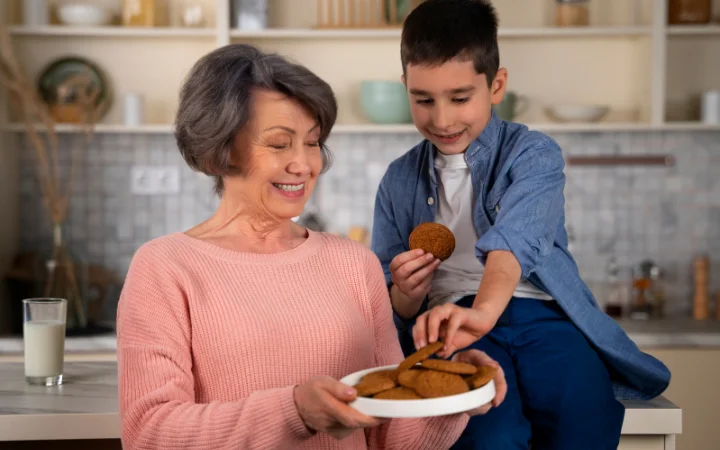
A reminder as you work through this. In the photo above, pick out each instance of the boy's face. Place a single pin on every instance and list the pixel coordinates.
(450, 103)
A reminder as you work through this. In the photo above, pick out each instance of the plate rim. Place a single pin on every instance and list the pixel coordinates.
(449, 404)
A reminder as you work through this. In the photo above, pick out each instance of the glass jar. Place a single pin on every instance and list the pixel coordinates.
(689, 11)
(572, 13)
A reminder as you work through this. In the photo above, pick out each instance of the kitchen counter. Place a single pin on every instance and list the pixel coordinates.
(86, 407)
(673, 332)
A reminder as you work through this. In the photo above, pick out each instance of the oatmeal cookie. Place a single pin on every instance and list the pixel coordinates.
(482, 377)
(408, 377)
(433, 384)
(419, 356)
(398, 393)
(444, 365)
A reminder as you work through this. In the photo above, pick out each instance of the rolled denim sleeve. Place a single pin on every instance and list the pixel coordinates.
(531, 209)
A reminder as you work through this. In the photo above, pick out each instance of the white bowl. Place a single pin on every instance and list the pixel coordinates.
(83, 14)
(577, 113)
(429, 407)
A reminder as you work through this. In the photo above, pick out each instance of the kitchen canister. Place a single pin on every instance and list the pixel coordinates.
(710, 107)
(36, 13)
(248, 14)
(133, 109)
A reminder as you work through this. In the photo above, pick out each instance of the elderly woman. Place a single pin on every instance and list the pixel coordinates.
(233, 334)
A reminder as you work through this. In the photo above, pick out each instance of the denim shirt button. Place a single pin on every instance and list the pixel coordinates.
(431, 201)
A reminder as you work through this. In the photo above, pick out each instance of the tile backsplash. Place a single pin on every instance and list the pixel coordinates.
(667, 214)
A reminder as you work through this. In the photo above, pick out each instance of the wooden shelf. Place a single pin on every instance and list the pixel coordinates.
(693, 30)
(394, 33)
(690, 126)
(99, 128)
(110, 31)
(404, 128)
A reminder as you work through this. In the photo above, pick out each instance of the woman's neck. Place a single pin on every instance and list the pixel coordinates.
(238, 227)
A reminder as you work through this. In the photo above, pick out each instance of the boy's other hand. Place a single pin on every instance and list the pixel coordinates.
(458, 327)
(412, 273)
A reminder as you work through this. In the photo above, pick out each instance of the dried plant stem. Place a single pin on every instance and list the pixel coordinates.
(56, 198)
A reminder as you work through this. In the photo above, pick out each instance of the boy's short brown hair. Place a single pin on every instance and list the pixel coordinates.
(440, 30)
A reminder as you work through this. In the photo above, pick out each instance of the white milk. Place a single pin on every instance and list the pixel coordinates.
(44, 348)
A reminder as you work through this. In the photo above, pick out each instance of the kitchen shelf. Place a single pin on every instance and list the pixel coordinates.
(99, 128)
(693, 30)
(547, 63)
(399, 128)
(394, 33)
(112, 31)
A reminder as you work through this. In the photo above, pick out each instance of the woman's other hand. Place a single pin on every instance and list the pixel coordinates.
(323, 405)
(479, 358)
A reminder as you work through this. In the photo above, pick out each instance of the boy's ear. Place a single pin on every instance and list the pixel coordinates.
(402, 78)
(497, 89)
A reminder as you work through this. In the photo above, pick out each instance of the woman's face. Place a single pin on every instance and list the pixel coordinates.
(279, 156)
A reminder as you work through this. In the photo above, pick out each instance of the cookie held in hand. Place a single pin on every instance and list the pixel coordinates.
(419, 356)
(433, 238)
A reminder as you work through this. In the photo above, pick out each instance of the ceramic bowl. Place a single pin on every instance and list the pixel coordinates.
(577, 113)
(385, 102)
(83, 14)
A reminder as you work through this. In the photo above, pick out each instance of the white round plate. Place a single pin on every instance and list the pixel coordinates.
(429, 407)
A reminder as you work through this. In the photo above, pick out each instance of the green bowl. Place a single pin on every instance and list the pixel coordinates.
(385, 102)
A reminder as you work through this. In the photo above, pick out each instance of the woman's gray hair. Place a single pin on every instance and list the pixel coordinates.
(215, 102)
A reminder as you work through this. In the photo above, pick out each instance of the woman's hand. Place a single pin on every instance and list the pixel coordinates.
(322, 404)
(478, 358)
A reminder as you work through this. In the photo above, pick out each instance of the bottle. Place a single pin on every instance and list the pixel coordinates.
(613, 302)
(642, 296)
(689, 11)
(572, 13)
(701, 295)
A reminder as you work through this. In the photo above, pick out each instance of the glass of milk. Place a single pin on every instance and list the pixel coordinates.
(44, 322)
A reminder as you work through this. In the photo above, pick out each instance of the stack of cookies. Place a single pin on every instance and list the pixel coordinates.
(419, 377)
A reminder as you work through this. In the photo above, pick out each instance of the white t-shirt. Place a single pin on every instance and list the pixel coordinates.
(460, 274)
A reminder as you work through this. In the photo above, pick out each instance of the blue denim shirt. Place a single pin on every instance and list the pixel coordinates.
(518, 182)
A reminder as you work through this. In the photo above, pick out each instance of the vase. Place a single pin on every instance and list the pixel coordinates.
(63, 275)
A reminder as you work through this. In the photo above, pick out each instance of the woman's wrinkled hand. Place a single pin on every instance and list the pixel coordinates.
(478, 358)
(322, 403)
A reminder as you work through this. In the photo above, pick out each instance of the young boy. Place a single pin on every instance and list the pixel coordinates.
(511, 288)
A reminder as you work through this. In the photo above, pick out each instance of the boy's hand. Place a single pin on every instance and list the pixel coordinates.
(458, 327)
(412, 273)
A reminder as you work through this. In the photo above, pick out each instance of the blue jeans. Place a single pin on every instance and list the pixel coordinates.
(559, 391)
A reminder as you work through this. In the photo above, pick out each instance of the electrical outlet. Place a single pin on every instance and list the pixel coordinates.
(153, 180)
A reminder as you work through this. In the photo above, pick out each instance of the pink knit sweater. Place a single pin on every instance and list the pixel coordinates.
(211, 343)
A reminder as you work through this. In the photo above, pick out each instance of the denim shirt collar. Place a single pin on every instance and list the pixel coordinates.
(482, 145)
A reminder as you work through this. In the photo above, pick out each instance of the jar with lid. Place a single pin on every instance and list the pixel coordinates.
(572, 13)
(689, 11)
